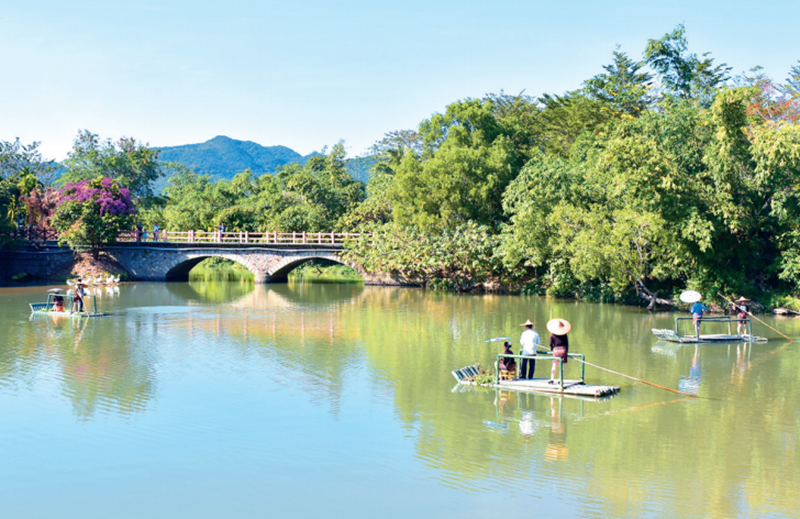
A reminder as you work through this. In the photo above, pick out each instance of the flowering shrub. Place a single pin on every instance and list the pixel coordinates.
(90, 213)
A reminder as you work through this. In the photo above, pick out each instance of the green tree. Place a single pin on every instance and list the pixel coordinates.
(312, 197)
(563, 119)
(623, 85)
(8, 199)
(465, 165)
(683, 74)
(191, 203)
(22, 170)
(132, 164)
(20, 160)
(793, 81)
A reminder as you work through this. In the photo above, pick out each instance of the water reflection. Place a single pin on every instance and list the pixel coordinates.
(372, 365)
(94, 359)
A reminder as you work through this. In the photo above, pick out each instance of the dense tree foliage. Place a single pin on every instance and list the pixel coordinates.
(656, 175)
(22, 172)
(132, 164)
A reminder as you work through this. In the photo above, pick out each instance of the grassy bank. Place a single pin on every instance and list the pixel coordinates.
(321, 271)
(219, 269)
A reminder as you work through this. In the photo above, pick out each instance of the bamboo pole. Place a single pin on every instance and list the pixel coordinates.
(636, 379)
(756, 318)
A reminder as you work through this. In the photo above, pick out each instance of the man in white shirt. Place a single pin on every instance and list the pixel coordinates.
(529, 340)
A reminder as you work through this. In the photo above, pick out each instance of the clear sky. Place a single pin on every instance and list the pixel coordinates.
(307, 73)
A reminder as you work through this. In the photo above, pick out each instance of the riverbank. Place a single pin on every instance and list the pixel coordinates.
(72, 265)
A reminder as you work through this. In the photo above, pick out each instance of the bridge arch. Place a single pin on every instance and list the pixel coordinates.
(280, 271)
(180, 271)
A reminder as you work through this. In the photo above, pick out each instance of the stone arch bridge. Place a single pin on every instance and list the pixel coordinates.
(268, 263)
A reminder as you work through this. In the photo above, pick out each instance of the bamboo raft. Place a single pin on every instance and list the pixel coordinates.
(697, 338)
(508, 380)
(67, 299)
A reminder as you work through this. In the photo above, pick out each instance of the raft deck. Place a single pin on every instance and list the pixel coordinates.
(542, 385)
(671, 336)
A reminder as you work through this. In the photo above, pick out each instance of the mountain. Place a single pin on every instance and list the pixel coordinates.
(223, 157)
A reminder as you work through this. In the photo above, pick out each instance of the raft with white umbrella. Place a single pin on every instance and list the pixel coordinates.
(677, 334)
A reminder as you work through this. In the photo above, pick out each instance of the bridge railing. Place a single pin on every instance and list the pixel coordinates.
(33, 234)
(238, 237)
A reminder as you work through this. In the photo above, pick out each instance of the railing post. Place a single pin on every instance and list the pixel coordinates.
(247, 236)
(304, 237)
(294, 237)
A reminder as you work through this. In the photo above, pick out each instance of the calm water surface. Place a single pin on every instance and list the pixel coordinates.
(209, 399)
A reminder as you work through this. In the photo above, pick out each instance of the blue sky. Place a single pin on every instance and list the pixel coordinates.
(306, 73)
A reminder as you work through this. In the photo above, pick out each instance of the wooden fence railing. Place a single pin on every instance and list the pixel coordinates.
(239, 237)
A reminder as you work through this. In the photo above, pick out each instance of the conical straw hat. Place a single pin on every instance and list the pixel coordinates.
(527, 323)
(558, 326)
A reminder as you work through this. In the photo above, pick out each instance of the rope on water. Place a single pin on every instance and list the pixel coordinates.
(636, 379)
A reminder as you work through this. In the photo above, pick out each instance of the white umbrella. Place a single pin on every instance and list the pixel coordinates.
(691, 296)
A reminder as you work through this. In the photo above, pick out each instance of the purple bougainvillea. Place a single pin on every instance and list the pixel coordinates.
(92, 212)
(106, 193)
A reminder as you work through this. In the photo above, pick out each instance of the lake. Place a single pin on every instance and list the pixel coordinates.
(229, 399)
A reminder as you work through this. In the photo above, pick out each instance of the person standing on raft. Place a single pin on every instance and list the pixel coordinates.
(78, 299)
(741, 326)
(559, 343)
(528, 340)
(697, 313)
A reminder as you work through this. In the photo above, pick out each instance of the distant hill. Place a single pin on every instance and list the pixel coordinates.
(223, 157)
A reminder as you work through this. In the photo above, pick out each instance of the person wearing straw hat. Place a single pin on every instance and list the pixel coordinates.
(742, 307)
(559, 343)
(528, 340)
(79, 293)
